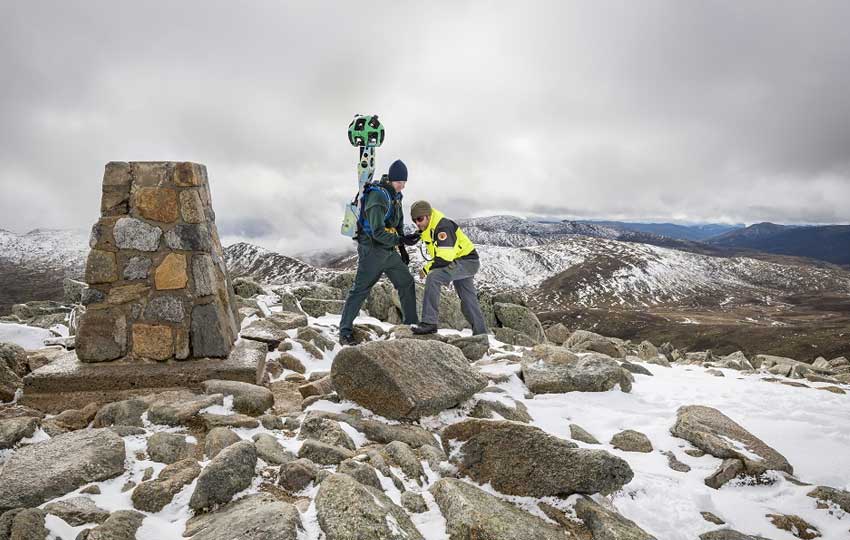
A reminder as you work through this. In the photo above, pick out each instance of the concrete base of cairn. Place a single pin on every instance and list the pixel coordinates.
(67, 383)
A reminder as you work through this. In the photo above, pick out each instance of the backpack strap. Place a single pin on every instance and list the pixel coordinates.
(363, 221)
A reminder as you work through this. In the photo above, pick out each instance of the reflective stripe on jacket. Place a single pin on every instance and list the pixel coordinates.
(446, 242)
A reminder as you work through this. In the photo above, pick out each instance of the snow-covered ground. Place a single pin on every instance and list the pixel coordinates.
(808, 426)
(28, 337)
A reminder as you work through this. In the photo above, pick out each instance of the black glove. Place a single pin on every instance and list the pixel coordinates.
(411, 239)
(405, 257)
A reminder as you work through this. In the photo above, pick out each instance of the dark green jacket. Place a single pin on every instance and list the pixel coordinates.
(376, 208)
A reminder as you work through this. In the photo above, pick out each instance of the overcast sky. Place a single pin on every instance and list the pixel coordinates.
(676, 111)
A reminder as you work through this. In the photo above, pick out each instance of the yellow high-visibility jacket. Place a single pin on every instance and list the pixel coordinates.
(445, 242)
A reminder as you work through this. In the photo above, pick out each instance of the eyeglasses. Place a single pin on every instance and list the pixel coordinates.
(420, 218)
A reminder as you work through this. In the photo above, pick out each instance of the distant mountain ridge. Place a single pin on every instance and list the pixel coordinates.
(512, 231)
(695, 233)
(244, 259)
(557, 263)
(829, 243)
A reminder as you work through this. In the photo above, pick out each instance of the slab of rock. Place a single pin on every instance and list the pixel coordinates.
(715, 433)
(77, 511)
(231, 471)
(154, 495)
(325, 430)
(712, 518)
(271, 451)
(548, 369)
(513, 337)
(607, 524)
(212, 421)
(635, 368)
(246, 287)
(322, 291)
(248, 398)
(182, 411)
(521, 319)
(518, 459)
(413, 502)
(259, 517)
(218, 439)
(269, 330)
(412, 435)
(795, 525)
(501, 409)
(320, 387)
(315, 337)
(767, 361)
(405, 378)
(73, 419)
(399, 454)
(297, 475)
(362, 472)
(578, 433)
(12, 430)
(23, 524)
(674, 463)
(16, 410)
(15, 357)
(584, 341)
(121, 413)
(649, 353)
(37, 473)
(737, 360)
(347, 509)
(473, 347)
(558, 334)
(120, 525)
(726, 472)
(319, 307)
(631, 441)
(287, 398)
(10, 382)
(835, 496)
(473, 513)
(324, 454)
(165, 447)
(290, 362)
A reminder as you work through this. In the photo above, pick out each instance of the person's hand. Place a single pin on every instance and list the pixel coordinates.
(411, 239)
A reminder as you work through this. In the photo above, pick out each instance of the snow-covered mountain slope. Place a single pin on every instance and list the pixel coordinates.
(61, 250)
(599, 272)
(244, 259)
(554, 266)
(34, 265)
(515, 231)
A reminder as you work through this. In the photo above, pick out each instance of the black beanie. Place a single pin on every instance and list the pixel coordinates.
(398, 171)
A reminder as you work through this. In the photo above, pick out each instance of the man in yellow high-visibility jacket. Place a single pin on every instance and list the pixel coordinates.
(452, 259)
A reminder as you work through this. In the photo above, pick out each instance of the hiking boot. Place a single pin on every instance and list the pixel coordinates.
(424, 328)
(347, 341)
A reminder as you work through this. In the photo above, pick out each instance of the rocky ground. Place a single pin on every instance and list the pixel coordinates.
(531, 433)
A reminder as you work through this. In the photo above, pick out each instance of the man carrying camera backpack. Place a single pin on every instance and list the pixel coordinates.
(379, 233)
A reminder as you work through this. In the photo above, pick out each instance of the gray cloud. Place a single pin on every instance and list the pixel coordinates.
(715, 111)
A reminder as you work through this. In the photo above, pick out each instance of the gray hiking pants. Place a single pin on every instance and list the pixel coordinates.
(460, 273)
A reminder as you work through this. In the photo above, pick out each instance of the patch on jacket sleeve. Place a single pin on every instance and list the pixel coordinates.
(442, 236)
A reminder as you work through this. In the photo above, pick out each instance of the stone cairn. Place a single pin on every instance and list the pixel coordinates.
(158, 285)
